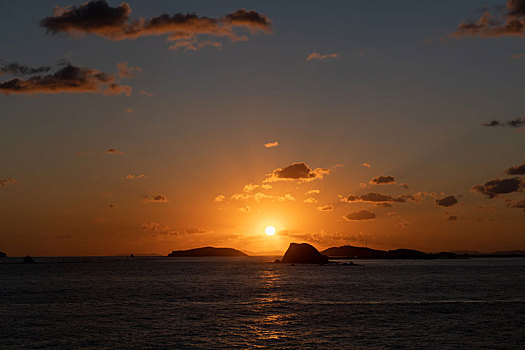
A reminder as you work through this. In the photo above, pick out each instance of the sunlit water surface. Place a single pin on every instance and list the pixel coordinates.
(138, 303)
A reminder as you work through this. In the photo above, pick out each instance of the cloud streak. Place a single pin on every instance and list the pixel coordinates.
(321, 57)
(97, 17)
(67, 79)
(360, 216)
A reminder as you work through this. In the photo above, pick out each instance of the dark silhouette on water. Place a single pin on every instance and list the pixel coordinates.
(303, 254)
(348, 251)
(207, 252)
(3, 255)
(28, 260)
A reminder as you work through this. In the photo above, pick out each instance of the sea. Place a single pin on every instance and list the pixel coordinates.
(249, 303)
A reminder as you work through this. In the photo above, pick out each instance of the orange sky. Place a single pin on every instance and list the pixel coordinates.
(147, 134)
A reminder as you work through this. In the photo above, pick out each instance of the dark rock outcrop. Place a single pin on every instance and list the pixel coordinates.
(28, 260)
(349, 251)
(303, 254)
(3, 255)
(206, 252)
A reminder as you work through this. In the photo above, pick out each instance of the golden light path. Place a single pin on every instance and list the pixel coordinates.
(269, 230)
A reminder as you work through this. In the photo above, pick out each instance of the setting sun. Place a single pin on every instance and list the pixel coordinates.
(269, 230)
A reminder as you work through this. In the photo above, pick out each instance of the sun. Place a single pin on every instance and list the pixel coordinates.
(269, 230)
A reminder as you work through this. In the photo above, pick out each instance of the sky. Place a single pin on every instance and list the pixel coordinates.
(146, 127)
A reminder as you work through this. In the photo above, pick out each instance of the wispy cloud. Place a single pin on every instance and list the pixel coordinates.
(360, 216)
(113, 151)
(158, 198)
(9, 180)
(67, 79)
(321, 57)
(271, 144)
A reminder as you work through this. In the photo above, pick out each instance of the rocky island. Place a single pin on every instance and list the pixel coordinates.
(206, 252)
(303, 253)
(348, 251)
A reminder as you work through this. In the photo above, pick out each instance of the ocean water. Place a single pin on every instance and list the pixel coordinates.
(178, 303)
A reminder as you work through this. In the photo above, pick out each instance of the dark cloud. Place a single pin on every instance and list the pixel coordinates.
(22, 70)
(513, 123)
(360, 215)
(113, 151)
(114, 23)
(499, 186)
(383, 180)
(446, 201)
(510, 22)
(8, 181)
(452, 218)
(297, 171)
(516, 170)
(159, 198)
(69, 79)
(374, 197)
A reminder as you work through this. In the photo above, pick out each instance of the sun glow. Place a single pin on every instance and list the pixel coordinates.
(269, 230)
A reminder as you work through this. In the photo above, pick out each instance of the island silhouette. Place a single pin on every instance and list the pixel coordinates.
(306, 253)
(206, 252)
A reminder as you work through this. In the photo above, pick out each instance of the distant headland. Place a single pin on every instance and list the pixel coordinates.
(3, 255)
(206, 252)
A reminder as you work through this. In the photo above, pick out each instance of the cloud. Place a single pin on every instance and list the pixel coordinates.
(135, 177)
(366, 165)
(271, 144)
(510, 22)
(496, 187)
(156, 229)
(360, 215)
(125, 71)
(114, 23)
(513, 123)
(373, 197)
(68, 79)
(517, 56)
(403, 224)
(516, 170)
(327, 207)
(245, 209)
(113, 151)
(159, 198)
(383, 180)
(447, 201)
(145, 93)
(9, 180)
(452, 218)
(310, 200)
(259, 196)
(251, 187)
(18, 69)
(219, 198)
(321, 57)
(516, 204)
(297, 172)
(314, 191)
